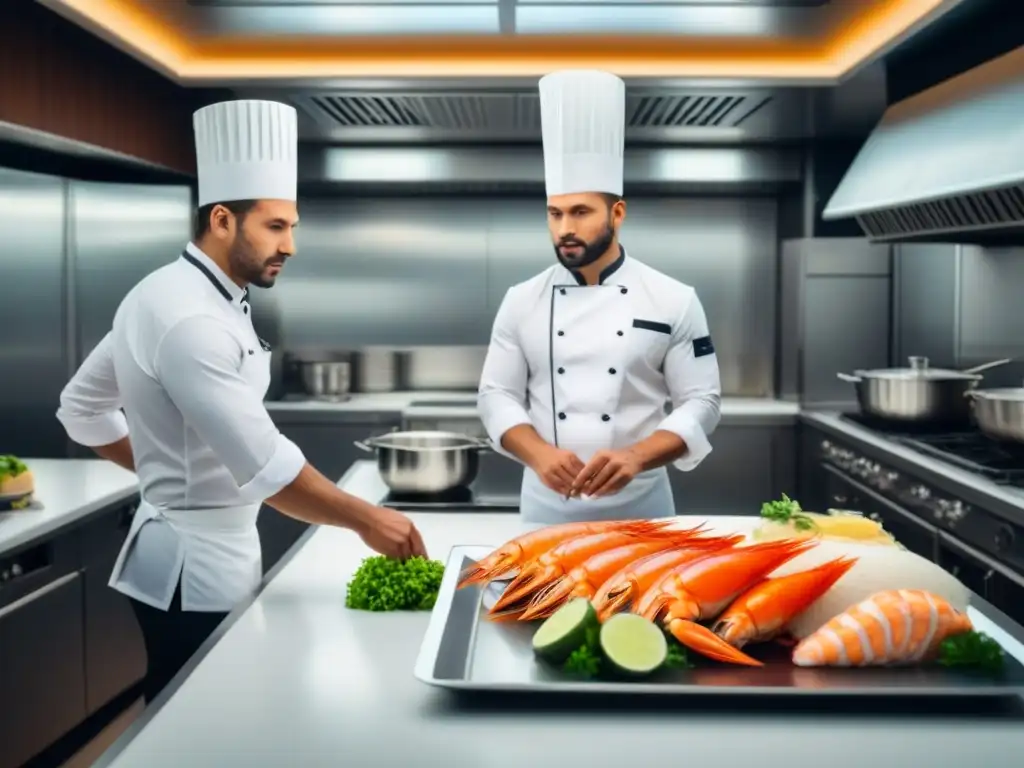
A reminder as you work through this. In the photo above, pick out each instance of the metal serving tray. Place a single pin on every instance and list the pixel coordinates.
(462, 650)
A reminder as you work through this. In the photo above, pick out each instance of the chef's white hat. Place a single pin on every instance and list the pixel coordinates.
(246, 150)
(583, 123)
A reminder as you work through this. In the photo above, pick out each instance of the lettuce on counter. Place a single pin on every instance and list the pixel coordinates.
(11, 466)
(383, 584)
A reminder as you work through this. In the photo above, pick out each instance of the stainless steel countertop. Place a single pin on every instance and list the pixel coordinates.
(67, 492)
(371, 406)
(295, 676)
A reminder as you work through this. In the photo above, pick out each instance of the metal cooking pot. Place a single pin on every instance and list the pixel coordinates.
(427, 461)
(1000, 412)
(327, 380)
(917, 393)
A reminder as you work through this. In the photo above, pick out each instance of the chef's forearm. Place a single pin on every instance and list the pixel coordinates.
(658, 450)
(119, 452)
(314, 499)
(523, 442)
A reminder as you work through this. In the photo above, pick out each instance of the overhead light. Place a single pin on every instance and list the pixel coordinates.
(730, 21)
(361, 19)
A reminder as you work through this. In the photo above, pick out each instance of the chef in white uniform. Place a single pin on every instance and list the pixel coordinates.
(184, 362)
(585, 356)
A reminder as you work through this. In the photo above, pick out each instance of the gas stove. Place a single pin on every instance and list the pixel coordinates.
(966, 449)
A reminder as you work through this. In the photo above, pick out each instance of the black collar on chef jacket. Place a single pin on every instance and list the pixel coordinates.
(607, 272)
(212, 277)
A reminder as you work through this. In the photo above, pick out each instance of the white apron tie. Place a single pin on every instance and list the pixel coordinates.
(216, 553)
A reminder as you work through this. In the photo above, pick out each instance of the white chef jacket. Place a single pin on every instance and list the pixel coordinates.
(593, 367)
(186, 365)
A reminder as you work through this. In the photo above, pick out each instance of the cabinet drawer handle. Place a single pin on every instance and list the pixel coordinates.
(31, 597)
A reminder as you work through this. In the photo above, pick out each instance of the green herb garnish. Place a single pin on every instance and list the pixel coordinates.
(384, 584)
(972, 649)
(677, 657)
(787, 511)
(586, 661)
(11, 466)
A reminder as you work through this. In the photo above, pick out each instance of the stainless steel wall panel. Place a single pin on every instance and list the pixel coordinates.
(430, 272)
(518, 247)
(927, 302)
(992, 316)
(835, 315)
(727, 248)
(119, 234)
(387, 272)
(33, 367)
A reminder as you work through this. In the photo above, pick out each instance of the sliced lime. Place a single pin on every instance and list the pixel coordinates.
(565, 630)
(633, 644)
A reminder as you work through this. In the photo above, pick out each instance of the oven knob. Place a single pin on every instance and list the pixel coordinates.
(826, 445)
(1004, 538)
(15, 571)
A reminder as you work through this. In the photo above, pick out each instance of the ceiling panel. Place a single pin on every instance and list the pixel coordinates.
(720, 18)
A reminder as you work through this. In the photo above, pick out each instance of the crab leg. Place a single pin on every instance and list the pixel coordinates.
(700, 589)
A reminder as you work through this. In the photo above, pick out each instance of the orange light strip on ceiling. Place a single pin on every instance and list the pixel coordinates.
(515, 56)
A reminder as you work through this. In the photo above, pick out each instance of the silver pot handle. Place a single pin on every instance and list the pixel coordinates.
(363, 446)
(483, 444)
(849, 377)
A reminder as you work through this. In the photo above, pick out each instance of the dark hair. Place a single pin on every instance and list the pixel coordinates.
(611, 199)
(240, 208)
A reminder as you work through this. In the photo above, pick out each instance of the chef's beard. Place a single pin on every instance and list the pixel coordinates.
(591, 252)
(247, 264)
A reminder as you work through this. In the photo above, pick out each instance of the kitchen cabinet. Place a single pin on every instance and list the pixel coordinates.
(115, 654)
(42, 667)
(328, 445)
(748, 466)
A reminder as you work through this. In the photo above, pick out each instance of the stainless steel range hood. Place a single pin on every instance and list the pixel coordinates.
(946, 162)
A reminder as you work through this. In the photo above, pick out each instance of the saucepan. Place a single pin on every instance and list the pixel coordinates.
(999, 413)
(919, 393)
(426, 461)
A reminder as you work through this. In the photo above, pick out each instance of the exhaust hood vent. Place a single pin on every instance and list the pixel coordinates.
(999, 209)
(519, 113)
(948, 161)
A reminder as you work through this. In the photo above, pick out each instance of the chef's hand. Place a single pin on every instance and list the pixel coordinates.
(557, 468)
(392, 534)
(606, 473)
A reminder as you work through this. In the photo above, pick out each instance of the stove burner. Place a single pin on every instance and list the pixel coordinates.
(459, 495)
(901, 428)
(967, 449)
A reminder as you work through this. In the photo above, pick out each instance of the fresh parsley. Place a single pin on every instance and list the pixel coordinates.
(677, 658)
(972, 649)
(586, 661)
(787, 510)
(384, 584)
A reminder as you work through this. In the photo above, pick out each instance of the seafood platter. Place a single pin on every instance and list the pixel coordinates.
(791, 602)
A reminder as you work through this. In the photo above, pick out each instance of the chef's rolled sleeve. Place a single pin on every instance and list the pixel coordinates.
(501, 399)
(90, 403)
(198, 362)
(692, 376)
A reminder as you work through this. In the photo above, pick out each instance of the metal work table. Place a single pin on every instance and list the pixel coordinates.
(295, 677)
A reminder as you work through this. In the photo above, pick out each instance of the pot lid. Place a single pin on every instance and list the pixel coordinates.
(1007, 394)
(918, 369)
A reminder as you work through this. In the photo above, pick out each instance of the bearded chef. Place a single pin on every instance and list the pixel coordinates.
(584, 356)
(190, 373)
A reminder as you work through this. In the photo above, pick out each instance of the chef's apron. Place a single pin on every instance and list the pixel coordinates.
(648, 496)
(592, 345)
(214, 551)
